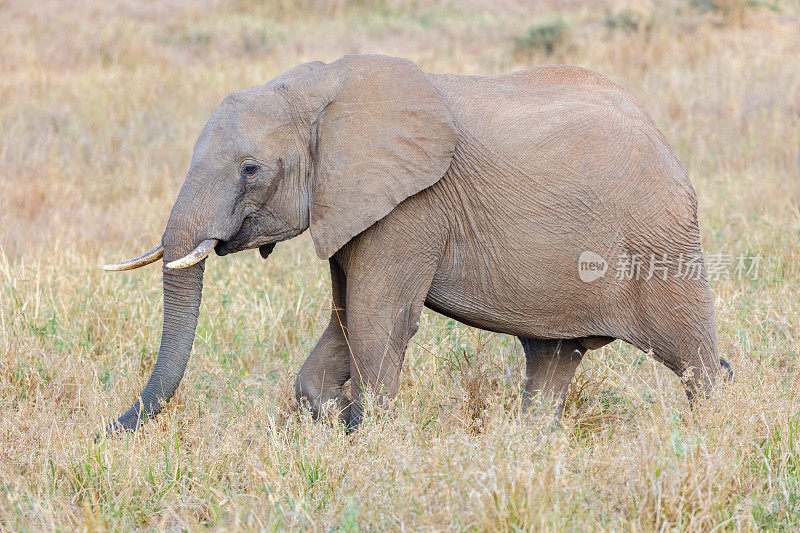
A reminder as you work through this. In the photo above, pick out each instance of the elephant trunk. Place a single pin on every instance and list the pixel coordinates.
(182, 293)
(183, 289)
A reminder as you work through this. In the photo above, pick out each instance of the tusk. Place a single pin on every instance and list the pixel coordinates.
(145, 259)
(197, 255)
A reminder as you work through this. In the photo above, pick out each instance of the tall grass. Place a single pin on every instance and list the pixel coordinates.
(100, 104)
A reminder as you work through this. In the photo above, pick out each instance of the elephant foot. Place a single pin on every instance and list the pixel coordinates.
(542, 412)
(324, 405)
(337, 409)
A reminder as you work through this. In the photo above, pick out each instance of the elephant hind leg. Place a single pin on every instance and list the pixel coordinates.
(549, 368)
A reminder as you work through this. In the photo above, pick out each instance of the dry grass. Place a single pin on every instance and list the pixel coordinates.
(100, 104)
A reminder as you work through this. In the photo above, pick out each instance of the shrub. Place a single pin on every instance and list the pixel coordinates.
(542, 37)
(626, 20)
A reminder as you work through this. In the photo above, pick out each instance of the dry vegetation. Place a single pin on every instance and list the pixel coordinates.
(100, 103)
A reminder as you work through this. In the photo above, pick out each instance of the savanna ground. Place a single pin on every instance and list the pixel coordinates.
(100, 103)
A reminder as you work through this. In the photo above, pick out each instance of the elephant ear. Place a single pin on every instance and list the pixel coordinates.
(382, 133)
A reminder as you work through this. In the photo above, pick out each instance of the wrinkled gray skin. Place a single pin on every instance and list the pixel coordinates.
(473, 196)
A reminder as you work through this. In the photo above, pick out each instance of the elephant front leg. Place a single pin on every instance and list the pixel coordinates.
(320, 380)
(383, 315)
(549, 368)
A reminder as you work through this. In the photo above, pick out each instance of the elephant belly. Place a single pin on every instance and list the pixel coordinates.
(533, 295)
(510, 262)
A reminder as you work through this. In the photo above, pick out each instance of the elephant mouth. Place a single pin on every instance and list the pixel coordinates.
(242, 240)
(225, 248)
(236, 242)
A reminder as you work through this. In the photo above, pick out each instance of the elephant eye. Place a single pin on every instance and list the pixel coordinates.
(249, 170)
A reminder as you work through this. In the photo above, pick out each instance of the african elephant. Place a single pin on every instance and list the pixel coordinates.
(476, 196)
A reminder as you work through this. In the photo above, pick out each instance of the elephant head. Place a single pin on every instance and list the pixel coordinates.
(330, 147)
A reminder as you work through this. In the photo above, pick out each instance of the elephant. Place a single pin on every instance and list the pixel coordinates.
(478, 197)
